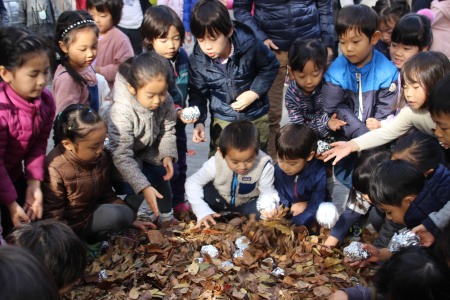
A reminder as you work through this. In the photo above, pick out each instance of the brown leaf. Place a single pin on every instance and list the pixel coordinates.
(134, 293)
(322, 291)
(155, 237)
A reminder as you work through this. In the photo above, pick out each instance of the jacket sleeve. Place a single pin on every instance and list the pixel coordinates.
(385, 102)
(107, 195)
(8, 192)
(267, 66)
(65, 91)
(54, 194)
(199, 93)
(439, 219)
(345, 221)
(167, 139)
(266, 182)
(122, 52)
(242, 12)
(34, 161)
(294, 105)
(325, 9)
(187, 10)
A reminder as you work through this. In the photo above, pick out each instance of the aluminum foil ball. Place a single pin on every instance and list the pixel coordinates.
(190, 113)
(322, 146)
(278, 271)
(267, 202)
(403, 239)
(210, 250)
(355, 252)
(239, 253)
(327, 214)
(227, 263)
(242, 242)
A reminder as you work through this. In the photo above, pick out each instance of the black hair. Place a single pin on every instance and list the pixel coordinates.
(294, 141)
(156, 24)
(393, 180)
(24, 277)
(17, 44)
(364, 165)
(439, 102)
(75, 122)
(413, 273)
(413, 30)
(114, 7)
(56, 246)
(420, 149)
(425, 68)
(241, 135)
(69, 22)
(210, 17)
(391, 10)
(359, 17)
(140, 69)
(302, 51)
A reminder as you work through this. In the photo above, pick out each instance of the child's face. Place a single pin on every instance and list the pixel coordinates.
(103, 20)
(309, 78)
(294, 166)
(168, 47)
(385, 29)
(31, 78)
(152, 94)
(442, 131)
(401, 53)
(357, 47)
(83, 48)
(396, 214)
(91, 146)
(240, 162)
(415, 94)
(217, 46)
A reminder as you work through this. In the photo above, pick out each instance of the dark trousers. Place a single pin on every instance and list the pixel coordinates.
(135, 38)
(180, 167)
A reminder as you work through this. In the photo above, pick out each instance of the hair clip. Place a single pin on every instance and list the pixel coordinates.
(59, 115)
(75, 25)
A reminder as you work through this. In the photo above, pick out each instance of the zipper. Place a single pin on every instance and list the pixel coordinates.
(233, 188)
(295, 187)
(360, 99)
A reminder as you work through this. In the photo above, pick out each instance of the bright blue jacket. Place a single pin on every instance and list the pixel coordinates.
(378, 82)
(309, 185)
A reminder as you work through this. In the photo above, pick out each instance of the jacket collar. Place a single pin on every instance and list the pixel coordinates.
(18, 101)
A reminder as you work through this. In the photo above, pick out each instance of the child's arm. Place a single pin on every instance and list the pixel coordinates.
(66, 91)
(199, 93)
(325, 10)
(122, 51)
(340, 229)
(194, 189)
(54, 194)
(167, 140)
(386, 100)
(430, 227)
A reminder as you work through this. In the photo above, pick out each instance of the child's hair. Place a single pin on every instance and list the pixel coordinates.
(24, 277)
(74, 123)
(239, 135)
(391, 10)
(420, 149)
(413, 30)
(141, 69)
(212, 17)
(69, 22)
(302, 51)
(114, 7)
(361, 18)
(413, 273)
(156, 24)
(17, 45)
(56, 246)
(425, 68)
(294, 141)
(438, 102)
(393, 180)
(364, 166)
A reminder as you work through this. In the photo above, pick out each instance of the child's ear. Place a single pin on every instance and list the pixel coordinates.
(375, 37)
(67, 144)
(220, 152)
(63, 47)
(429, 172)
(5, 74)
(409, 199)
(230, 33)
(131, 89)
(291, 73)
(311, 155)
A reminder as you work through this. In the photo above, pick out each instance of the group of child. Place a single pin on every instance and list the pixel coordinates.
(137, 146)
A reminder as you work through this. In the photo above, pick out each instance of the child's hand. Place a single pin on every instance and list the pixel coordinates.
(331, 241)
(18, 215)
(426, 238)
(33, 200)
(373, 123)
(298, 208)
(206, 220)
(267, 215)
(375, 256)
(334, 123)
(270, 44)
(340, 150)
(244, 100)
(150, 194)
(168, 165)
(143, 226)
(198, 135)
(338, 295)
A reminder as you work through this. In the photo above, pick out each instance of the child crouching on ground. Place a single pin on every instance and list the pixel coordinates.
(300, 179)
(239, 164)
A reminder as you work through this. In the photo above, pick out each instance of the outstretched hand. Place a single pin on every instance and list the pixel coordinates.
(206, 221)
(340, 150)
(426, 238)
(334, 123)
(33, 206)
(198, 135)
(150, 194)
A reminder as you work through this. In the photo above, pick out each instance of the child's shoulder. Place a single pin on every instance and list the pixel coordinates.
(338, 69)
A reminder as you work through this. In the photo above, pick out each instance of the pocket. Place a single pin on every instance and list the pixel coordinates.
(246, 188)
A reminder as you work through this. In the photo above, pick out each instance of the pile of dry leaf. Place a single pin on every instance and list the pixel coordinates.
(165, 264)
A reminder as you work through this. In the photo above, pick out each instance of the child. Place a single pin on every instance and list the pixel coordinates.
(38, 16)
(441, 26)
(232, 69)
(163, 32)
(419, 75)
(24, 277)
(74, 81)
(303, 100)
(300, 179)
(57, 247)
(142, 135)
(26, 117)
(114, 47)
(239, 164)
(77, 186)
(439, 107)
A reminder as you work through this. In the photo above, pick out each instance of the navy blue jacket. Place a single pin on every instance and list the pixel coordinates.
(434, 195)
(252, 67)
(311, 187)
(283, 21)
(341, 92)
